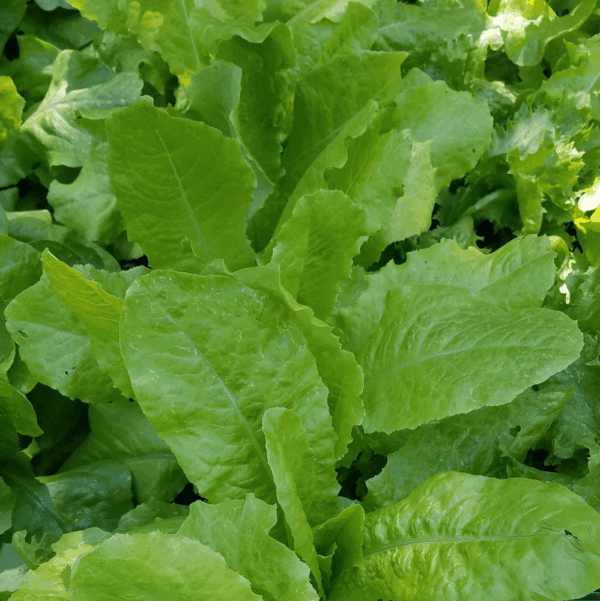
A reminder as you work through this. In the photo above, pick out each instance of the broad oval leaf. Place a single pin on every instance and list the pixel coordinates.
(207, 357)
(183, 189)
(139, 567)
(439, 351)
(470, 538)
(516, 276)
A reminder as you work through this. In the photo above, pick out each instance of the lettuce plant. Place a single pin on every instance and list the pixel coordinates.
(300, 300)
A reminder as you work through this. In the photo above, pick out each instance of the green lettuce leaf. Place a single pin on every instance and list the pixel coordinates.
(337, 368)
(442, 37)
(335, 102)
(121, 432)
(19, 410)
(12, 107)
(374, 173)
(357, 31)
(526, 36)
(475, 443)
(142, 566)
(423, 360)
(516, 276)
(182, 187)
(315, 248)
(274, 570)
(339, 540)
(184, 33)
(10, 16)
(411, 213)
(20, 269)
(424, 105)
(32, 71)
(7, 503)
(88, 205)
(498, 539)
(37, 229)
(154, 515)
(96, 309)
(51, 579)
(190, 379)
(96, 496)
(307, 496)
(78, 82)
(56, 347)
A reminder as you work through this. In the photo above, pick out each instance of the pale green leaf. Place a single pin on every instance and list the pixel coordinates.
(50, 581)
(526, 36)
(274, 571)
(315, 248)
(327, 102)
(307, 496)
(11, 107)
(411, 214)
(257, 116)
(341, 539)
(212, 96)
(56, 346)
(337, 368)
(142, 567)
(179, 184)
(206, 391)
(88, 205)
(470, 538)
(580, 79)
(374, 173)
(444, 28)
(183, 32)
(19, 268)
(517, 276)
(98, 311)
(315, 482)
(439, 351)
(459, 126)
(336, 101)
(357, 31)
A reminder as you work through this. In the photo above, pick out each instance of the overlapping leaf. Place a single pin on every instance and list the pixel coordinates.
(208, 392)
(495, 538)
(439, 351)
(182, 187)
(273, 570)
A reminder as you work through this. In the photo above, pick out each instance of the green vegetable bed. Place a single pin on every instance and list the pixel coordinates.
(300, 300)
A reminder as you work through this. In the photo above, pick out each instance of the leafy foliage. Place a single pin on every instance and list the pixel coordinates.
(299, 300)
